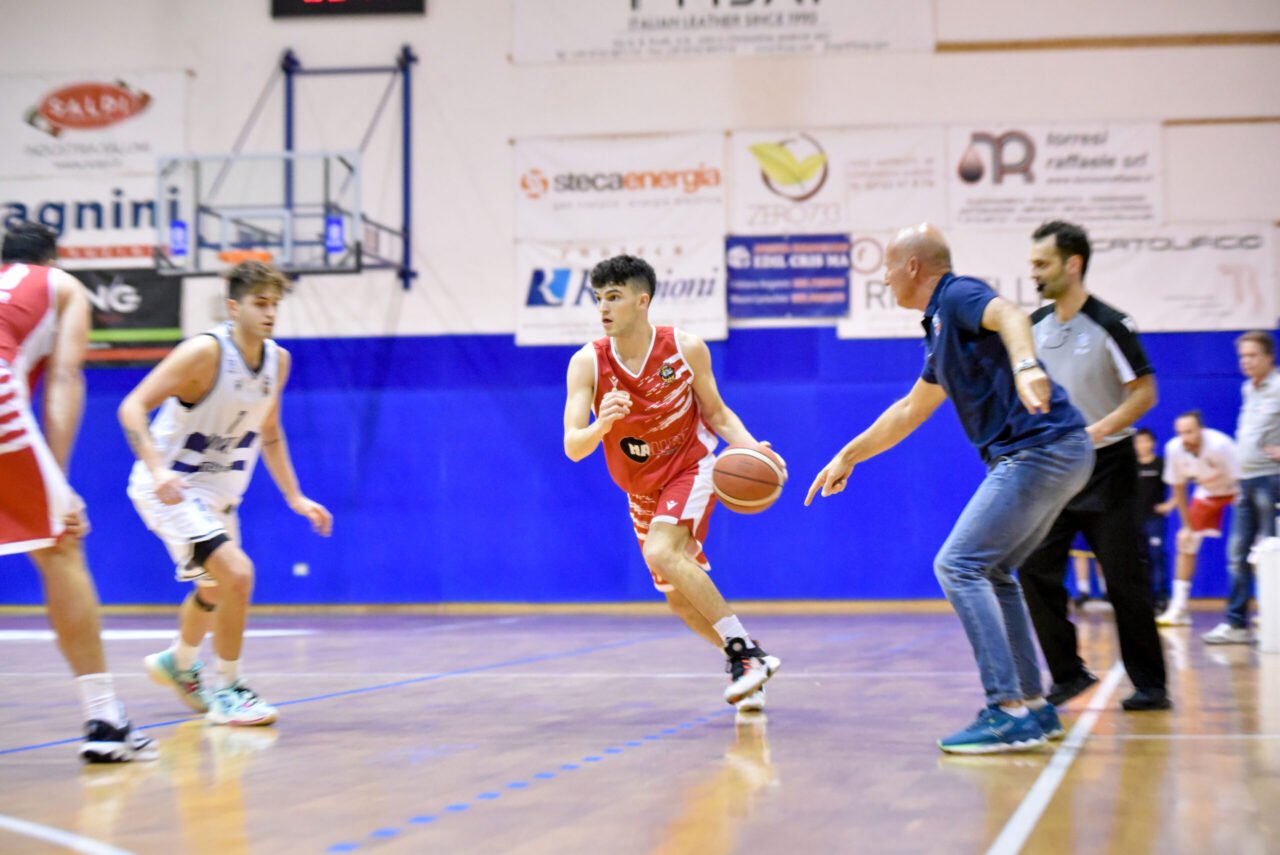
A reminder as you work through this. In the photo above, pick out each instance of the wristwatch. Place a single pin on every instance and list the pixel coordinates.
(1026, 365)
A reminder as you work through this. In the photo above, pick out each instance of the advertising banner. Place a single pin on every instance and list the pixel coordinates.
(1102, 174)
(780, 276)
(619, 188)
(558, 306)
(137, 315)
(100, 123)
(801, 182)
(1185, 278)
(102, 221)
(606, 30)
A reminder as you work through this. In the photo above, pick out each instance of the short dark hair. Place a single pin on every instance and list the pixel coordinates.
(250, 277)
(33, 243)
(1192, 414)
(1147, 432)
(622, 269)
(1260, 338)
(1069, 238)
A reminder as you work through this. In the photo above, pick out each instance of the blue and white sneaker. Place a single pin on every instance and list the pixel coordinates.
(995, 731)
(185, 684)
(1047, 715)
(240, 706)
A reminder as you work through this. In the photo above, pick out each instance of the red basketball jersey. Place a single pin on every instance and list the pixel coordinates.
(28, 318)
(664, 434)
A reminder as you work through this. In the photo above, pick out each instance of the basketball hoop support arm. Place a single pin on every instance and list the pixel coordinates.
(292, 68)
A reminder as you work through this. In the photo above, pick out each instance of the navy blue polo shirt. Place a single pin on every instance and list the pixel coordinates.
(972, 366)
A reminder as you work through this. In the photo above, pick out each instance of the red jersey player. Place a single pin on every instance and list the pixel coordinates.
(658, 413)
(44, 327)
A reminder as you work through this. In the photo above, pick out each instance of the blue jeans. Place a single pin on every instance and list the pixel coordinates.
(1005, 521)
(1254, 514)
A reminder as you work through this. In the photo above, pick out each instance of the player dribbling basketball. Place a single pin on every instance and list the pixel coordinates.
(658, 413)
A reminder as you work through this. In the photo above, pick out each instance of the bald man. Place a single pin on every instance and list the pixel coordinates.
(979, 353)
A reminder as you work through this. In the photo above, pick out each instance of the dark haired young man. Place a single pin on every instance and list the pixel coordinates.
(44, 328)
(657, 414)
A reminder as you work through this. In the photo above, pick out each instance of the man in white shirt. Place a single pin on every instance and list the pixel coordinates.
(1254, 516)
(1207, 457)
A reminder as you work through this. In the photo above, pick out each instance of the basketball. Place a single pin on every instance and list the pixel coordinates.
(748, 478)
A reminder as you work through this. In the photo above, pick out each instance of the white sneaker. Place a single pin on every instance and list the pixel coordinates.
(239, 706)
(1225, 633)
(748, 667)
(752, 703)
(1174, 617)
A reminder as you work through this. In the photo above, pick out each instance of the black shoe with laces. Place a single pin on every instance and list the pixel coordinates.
(1060, 693)
(108, 743)
(749, 667)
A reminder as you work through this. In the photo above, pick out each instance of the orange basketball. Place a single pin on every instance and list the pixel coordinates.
(748, 478)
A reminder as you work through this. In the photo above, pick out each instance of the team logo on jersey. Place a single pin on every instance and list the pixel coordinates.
(667, 373)
(636, 449)
(937, 325)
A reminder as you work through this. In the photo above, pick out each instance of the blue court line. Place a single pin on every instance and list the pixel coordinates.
(428, 678)
(585, 762)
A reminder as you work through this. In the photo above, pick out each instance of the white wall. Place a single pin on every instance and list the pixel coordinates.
(470, 101)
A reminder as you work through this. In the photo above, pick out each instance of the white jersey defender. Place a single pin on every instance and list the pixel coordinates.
(214, 443)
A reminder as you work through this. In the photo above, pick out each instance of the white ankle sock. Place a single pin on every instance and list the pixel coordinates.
(184, 655)
(731, 627)
(1034, 704)
(1017, 712)
(98, 699)
(228, 672)
(1181, 593)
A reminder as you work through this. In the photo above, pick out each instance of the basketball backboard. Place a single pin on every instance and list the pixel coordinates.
(297, 210)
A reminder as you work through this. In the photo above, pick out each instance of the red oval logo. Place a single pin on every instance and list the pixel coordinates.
(92, 105)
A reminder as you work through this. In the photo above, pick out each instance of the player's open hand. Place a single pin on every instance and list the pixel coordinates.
(169, 487)
(832, 479)
(1033, 390)
(615, 405)
(317, 514)
(778, 457)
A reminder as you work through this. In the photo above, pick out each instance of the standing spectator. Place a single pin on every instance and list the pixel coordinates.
(1154, 513)
(1207, 457)
(1257, 444)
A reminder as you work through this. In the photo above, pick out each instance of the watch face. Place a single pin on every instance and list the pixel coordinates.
(324, 8)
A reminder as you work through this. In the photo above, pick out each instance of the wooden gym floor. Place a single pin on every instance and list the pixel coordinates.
(538, 734)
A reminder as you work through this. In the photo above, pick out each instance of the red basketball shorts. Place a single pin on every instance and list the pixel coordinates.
(686, 501)
(34, 494)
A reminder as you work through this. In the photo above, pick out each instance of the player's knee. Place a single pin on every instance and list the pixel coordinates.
(660, 557)
(1188, 541)
(233, 571)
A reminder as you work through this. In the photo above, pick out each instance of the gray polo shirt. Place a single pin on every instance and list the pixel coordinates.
(1258, 425)
(1092, 356)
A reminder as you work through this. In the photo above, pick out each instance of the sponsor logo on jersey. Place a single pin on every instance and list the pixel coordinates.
(636, 449)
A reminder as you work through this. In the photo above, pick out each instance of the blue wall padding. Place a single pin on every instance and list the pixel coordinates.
(442, 461)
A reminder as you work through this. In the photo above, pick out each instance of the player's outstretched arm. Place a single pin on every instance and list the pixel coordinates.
(64, 379)
(275, 454)
(893, 426)
(581, 434)
(187, 373)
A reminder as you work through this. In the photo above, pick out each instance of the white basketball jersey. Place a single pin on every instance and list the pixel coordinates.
(215, 442)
